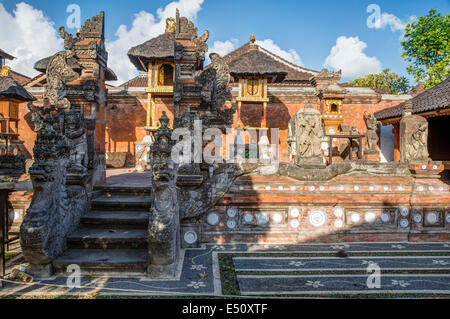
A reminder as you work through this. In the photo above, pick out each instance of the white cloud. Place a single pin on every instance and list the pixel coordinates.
(222, 48)
(28, 35)
(291, 55)
(348, 55)
(144, 27)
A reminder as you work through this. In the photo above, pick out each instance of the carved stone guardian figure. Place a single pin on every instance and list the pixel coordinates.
(413, 138)
(56, 208)
(164, 224)
(306, 128)
(75, 133)
(371, 135)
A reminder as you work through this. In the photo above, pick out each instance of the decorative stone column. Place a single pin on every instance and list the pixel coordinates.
(164, 223)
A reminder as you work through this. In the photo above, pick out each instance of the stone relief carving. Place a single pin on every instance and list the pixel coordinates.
(164, 224)
(41, 116)
(75, 134)
(306, 128)
(371, 135)
(56, 208)
(414, 139)
(215, 82)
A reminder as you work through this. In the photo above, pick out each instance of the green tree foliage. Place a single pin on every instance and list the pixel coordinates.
(385, 80)
(427, 48)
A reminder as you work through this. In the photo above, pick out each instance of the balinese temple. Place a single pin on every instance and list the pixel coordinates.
(339, 176)
(267, 91)
(434, 105)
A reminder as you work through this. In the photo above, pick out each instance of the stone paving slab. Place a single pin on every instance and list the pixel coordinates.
(337, 284)
(334, 263)
(201, 276)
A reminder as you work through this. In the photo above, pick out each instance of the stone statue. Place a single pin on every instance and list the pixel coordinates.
(55, 209)
(414, 139)
(164, 224)
(201, 46)
(62, 68)
(215, 82)
(307, 129)
(41, 116)
(75, 134)
(371, 135)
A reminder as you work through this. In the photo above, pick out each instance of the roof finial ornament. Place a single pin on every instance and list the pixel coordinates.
(5, 70)
(170, 25)
(252, 44)
(407, 108)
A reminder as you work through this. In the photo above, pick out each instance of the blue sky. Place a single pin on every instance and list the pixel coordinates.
(305, 31)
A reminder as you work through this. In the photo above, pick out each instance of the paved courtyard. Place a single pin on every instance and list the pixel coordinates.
(312, 270)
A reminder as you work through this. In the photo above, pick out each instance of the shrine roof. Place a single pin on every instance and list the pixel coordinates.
(41, 66)
(436, 98)
(10, 88)
(159, 48)
(257, 63)
(295, 73)
(5, 55)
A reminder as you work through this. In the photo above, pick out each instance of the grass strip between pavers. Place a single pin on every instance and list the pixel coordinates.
(230, 285)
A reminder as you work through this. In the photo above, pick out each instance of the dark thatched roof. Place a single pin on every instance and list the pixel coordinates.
(296, 74)
(41, 66)
(256, 62)
(159, 48)
(436, 98)
(9, 88)
(5, 55)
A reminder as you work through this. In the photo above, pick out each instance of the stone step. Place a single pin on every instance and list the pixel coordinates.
(94, 261)
(116, 219)
(104, 238)
(124, 190)
(121, 202)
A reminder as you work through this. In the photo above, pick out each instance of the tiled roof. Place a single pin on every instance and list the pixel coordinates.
(140, 81)
(20, 78)
(436, 98)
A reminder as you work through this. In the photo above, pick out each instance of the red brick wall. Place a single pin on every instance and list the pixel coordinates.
(126, 118)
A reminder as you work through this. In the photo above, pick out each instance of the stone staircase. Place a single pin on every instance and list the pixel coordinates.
(112, 236)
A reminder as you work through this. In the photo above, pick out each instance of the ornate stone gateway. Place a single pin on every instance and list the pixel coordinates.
(69, 149)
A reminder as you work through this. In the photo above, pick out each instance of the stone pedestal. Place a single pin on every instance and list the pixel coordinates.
(427, 170)
(372, 156)
(116, 159)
